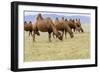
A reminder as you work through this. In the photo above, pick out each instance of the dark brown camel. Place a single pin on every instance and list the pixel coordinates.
(78, 24)
(46, 25)
(75, 25)
(62, 26)
(72, 24)
(28, 27)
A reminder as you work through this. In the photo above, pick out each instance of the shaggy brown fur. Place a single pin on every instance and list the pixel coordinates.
(46, 25)
(28, 27)
(78, 24)
(72, 24)
(62, 26)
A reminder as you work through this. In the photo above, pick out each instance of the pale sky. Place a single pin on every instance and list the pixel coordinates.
(65, 14)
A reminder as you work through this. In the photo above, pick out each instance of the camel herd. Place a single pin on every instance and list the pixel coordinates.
(57, 27)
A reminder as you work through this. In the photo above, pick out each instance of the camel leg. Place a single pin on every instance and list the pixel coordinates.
(71, 34)
(74, 29)
(33, 36)
(49, 37)
(29, 33)
(62, 34)
(65, 34)
(53, 35)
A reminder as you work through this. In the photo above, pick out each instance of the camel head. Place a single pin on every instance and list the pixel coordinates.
(37, 32)
(60, 37)
(72, 35)
(78, 23)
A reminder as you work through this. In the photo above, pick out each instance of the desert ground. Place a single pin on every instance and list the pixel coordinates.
(68, 49)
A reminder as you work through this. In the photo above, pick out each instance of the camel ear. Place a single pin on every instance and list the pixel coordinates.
(56, 18)
(38, 33)
(30, 22)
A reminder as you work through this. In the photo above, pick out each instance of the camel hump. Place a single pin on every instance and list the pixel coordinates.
(73, 20)
(66, 20)
(49, 20)
(77, 21)
(62, 18)
(70, 19)
(39, 16)
(30, 22)
(25, 22)
(57, 18)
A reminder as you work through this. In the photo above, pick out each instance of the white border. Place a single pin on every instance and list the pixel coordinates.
(22, 64)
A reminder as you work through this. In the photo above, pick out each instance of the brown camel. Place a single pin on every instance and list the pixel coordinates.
(46, 25)
(75, 25)
(28, 27)
(62, 26)
(78, 24)
(72, 24)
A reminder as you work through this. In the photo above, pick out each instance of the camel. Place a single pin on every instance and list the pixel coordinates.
(28, 27)
(46, 25)
(78, 24)
(61, 25)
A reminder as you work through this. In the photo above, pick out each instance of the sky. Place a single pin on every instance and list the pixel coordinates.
(31, 16)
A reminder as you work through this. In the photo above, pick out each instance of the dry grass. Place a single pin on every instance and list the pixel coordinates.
(42, 49)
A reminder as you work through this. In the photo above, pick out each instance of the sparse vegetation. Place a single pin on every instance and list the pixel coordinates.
(70, 48)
